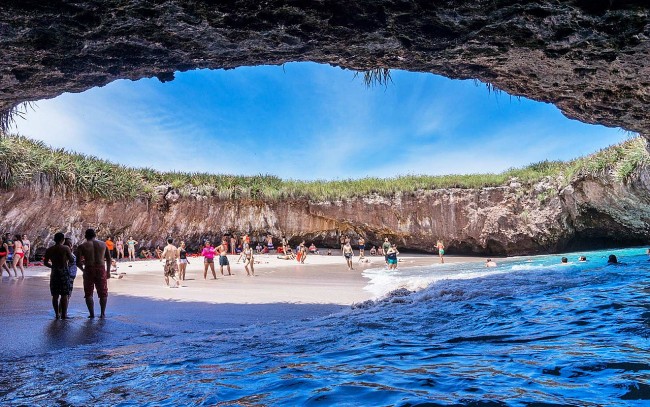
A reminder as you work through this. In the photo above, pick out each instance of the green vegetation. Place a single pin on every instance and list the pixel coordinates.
(25, 162)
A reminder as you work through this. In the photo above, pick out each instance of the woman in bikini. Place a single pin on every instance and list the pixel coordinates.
(441, 250)
(119, 246)
(182, 261)
(249, 260)
(391, 257)
(208, 260)
(19, 255)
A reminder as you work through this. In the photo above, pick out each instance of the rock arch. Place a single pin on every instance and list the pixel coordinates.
(591, 58)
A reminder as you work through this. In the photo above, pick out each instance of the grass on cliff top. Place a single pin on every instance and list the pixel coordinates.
(28, 163)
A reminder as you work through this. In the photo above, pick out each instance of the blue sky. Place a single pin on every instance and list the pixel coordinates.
(310, 121)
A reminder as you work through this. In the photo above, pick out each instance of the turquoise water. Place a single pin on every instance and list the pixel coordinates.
(529, 333)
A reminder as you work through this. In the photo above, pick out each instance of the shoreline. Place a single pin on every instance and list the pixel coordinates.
(139, 304)
(275, 280)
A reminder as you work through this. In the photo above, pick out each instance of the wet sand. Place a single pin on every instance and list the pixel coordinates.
(140, 304)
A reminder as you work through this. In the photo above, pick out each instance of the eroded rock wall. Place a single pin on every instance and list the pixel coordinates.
(591, 58)
(546, 217)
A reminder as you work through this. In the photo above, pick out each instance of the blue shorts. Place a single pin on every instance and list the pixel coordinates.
(223, 261)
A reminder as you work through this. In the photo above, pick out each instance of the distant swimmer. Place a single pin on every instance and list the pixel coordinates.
(94, 260)
(582, 259)
(490, 263)
(612, 259)
(564, 260)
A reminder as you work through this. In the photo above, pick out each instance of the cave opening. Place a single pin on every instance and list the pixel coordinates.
(310, 121)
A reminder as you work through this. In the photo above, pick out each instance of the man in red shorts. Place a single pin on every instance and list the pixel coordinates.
(94, 260)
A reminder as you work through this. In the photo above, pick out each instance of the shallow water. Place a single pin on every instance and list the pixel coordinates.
(530, 333)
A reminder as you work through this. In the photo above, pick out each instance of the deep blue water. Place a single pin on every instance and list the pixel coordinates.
(529, 333)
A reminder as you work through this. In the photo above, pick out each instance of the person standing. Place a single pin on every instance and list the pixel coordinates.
(362, 248)
(249, 260)
(391, 257)
(441, 251)
(269, 242)
(19, 255)
(348, 253)
(170, 255)
(385, 246)
(4, 253)
(182, 261)
(57, 258)
(94, 260)
(10, 253)
(110, 246)
(208, 260)
(302, 249)
(27, 245)
(119, 248)
(223, 257)
(72, 266)
(233, 244)
(130, 244)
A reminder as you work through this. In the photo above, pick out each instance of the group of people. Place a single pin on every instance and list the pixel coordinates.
(209, 253)
(14, 254)
(116, 248)
(92, 257)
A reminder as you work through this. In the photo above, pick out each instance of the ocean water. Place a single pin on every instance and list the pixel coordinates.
(531, 332)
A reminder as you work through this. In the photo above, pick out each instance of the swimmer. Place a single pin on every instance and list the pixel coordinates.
(564, 260)
(490, 263)
(582, 259)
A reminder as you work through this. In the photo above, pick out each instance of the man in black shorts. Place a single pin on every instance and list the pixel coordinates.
(58, 258)
(223, 258)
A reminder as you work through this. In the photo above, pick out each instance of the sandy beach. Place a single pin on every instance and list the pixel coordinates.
(140, 303)
(321, 279)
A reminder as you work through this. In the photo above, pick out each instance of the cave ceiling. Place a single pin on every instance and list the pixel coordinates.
(591, 58)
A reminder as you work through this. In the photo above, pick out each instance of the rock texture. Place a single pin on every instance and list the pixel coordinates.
(546, 217)
(591, 58)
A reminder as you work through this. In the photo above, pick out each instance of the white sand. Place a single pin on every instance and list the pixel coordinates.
(321, 280)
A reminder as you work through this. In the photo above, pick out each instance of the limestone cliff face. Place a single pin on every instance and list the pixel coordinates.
(516, 219)
(591, 58)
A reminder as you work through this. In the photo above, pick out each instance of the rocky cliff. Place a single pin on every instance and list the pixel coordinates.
(591, 58)
(545, 217)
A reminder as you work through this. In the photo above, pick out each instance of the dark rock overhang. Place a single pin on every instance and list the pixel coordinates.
(591, 58)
